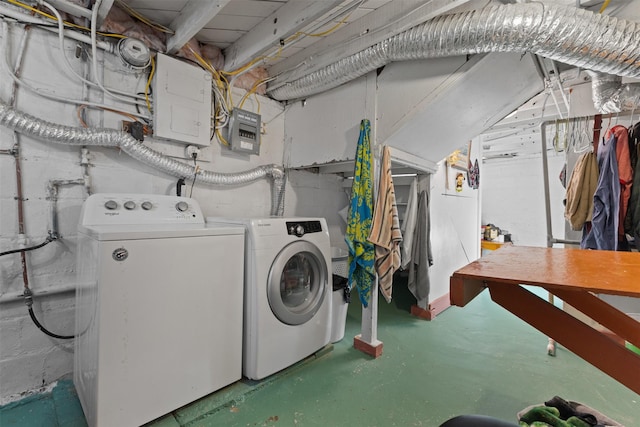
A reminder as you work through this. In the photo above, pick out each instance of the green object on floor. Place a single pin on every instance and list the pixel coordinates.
(479, 359)
(548, 415)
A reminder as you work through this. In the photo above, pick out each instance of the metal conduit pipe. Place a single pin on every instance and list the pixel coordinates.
(68, 135)
(562, 33)
(44, 24)
(53, 187)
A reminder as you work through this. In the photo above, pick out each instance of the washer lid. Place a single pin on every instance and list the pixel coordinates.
(156, 231)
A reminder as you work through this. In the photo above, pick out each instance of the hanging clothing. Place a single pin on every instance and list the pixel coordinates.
(385, 228)
(580, 190)
(625, 172)
(409, 224)
(361, 251)
(473, 175)
(421, 256)
(632, 220)
(606, 202)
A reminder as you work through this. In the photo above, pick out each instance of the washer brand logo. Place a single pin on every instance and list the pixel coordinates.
(263, 225)
(120, 254)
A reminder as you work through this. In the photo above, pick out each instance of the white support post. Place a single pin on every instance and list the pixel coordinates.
(367, 341)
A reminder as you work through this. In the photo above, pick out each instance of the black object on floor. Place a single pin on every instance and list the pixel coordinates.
(476, 421)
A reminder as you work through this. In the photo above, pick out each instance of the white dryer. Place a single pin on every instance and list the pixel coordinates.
(287, 305)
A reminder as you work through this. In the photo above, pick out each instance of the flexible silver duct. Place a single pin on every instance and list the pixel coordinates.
(610, 95)
(68, 135)
(606, 90)
(563, 33)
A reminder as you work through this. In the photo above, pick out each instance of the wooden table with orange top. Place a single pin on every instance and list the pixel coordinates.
(573, 275)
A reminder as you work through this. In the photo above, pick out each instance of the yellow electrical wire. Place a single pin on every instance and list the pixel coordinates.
(255, 95)
(221, 81)
(323, 33)
(132, 12)
(604, 5)
(146, 87)
(287, 40)
(66, 23)
(251, 91)
(220, 138)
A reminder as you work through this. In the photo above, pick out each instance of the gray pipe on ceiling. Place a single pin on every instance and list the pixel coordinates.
(68, 135)
(563, 33)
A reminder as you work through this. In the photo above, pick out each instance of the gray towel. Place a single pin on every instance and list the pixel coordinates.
(421, 257)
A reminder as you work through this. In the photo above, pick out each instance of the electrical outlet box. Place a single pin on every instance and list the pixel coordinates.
(243, 133)
(181, 102)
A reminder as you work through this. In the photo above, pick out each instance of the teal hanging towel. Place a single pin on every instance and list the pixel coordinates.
(361, 251)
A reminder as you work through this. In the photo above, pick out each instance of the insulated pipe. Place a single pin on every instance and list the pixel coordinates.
(23, 17)
(562, 33)
(67, 135)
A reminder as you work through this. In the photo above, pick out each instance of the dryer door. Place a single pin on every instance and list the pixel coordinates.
(297, 282)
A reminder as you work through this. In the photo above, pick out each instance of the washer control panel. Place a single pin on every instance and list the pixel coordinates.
(300, 228)
(132, 209)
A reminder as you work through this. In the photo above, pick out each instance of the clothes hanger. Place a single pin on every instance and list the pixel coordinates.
(583, 136)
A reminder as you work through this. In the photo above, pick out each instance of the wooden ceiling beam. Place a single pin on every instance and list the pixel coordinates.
(194, 17)
(388, 20)
(284, 22)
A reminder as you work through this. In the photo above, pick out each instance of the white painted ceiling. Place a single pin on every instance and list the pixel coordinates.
(258, 26)
(278, 32)
(249, 29)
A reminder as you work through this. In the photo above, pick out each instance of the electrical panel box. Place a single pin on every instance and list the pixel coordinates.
(181, 102)
(243, 133)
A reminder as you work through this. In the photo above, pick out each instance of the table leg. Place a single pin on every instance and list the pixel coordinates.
(608, 316)
(596, 348)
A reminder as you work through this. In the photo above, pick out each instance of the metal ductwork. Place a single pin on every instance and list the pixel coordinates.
(67, 135)
(562, 33)
(610, 95)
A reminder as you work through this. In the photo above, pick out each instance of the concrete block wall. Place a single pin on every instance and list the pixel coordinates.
(513, 198)
(28, 358)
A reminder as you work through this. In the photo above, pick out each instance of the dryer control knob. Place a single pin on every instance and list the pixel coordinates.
(298, 230)
(146, 206)
(111, 204)
(129, 205)
(182, 206)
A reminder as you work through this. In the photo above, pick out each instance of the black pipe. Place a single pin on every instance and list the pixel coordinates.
(43, 329)
(28, 300)
(15, 251)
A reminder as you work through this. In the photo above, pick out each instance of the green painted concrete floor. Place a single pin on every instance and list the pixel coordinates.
(479, 359)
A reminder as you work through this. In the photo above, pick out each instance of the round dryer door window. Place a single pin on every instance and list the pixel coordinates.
(297, 283)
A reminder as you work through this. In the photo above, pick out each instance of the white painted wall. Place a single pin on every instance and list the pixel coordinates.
(28, 358)
(452, 100)
(513, 197)
(455, 224)
(454, 217)
(324, 129)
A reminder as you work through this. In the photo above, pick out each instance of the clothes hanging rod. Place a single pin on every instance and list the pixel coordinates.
(605, 116)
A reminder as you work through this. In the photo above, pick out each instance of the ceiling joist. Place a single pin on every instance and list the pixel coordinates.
(284, 22)
(193, 18)
(374, 27)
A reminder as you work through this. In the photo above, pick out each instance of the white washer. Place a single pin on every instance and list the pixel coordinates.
(287, 309)
(158, 308)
